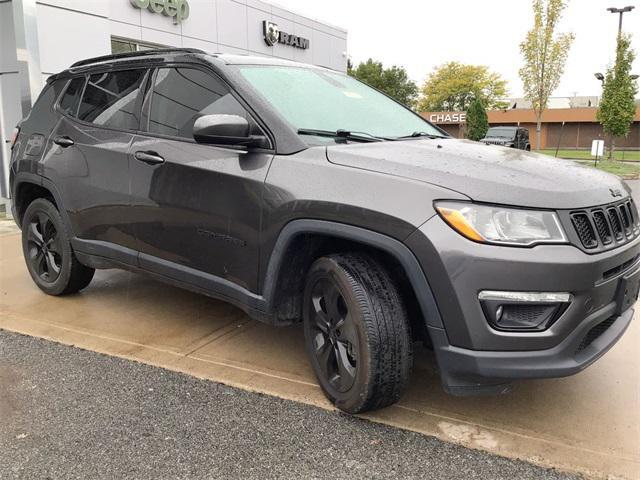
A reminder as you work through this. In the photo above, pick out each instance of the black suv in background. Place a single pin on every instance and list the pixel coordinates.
(514, 137)
(299, 194)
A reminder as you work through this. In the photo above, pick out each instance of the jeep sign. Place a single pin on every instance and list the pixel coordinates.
(273, 34)
(176, 9)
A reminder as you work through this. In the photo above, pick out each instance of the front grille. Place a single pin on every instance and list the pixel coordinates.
(595, 333)
(602, 227)
(616, 224)
(585, 230)
(606, 227)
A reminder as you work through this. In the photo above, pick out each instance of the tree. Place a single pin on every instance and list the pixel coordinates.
(544, 54)
(617, 107)
(393, 81)
(453, 86)
(477, 121)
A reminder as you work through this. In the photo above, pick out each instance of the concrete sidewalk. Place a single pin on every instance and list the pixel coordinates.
(589, 423)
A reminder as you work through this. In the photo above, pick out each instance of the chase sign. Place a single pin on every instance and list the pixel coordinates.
(273, 35)
(176, 9)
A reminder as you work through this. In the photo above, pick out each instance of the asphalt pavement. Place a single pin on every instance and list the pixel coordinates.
(72, 413)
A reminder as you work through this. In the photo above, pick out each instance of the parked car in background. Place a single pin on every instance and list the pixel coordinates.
(514, 137)
(299, 194)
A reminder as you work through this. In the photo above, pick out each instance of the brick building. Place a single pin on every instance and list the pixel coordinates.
(580, 126)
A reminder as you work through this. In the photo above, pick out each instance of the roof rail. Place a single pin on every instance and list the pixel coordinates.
(117, 56)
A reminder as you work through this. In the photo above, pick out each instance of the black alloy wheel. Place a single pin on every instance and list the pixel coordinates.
(335, 340)
(47, 250)
(356, 332)
(43, 246)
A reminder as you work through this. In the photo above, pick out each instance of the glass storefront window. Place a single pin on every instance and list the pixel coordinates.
(124, 45)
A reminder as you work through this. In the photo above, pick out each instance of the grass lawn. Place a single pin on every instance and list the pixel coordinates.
(625, 170)
(586, 154)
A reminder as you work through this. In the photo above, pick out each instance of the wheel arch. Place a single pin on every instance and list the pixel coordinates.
(27, 187)
(302, 241)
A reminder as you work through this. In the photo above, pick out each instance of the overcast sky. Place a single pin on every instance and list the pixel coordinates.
(422, 34)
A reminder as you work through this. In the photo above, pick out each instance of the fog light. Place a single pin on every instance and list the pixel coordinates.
(523, 311)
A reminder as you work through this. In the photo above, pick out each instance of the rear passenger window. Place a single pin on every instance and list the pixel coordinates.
(182, 95)
(71, 98)
(110, 99)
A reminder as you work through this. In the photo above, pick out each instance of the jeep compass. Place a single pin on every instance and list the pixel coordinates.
(299, 194)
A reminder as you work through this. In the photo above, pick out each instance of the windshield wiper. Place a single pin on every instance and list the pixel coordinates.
(422, 134)
(346, 134)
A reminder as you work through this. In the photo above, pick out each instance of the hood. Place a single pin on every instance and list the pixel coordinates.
(497, 139)
(486, 173)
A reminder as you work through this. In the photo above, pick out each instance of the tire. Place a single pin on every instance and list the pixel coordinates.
(47, 251)
(356, 332)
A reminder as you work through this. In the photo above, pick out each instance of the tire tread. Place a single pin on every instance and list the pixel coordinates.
(387, 327)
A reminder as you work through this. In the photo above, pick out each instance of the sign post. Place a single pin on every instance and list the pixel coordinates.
(597, 150)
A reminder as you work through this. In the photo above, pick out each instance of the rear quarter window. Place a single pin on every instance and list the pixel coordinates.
(71, 97)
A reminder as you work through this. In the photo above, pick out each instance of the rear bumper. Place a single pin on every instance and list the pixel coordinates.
(466, 371)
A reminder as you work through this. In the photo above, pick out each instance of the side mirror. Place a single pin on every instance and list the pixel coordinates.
(232, 130)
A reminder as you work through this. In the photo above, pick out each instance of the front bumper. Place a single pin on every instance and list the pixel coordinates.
(474, 356)
(470, 372)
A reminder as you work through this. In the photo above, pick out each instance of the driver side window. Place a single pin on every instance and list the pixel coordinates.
(181, 95)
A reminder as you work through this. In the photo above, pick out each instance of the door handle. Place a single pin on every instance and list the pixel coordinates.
(63, 141)
(152, 158)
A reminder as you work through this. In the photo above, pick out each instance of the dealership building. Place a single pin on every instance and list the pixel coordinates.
(42, 37)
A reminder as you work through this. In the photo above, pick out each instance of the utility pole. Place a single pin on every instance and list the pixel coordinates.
(620, 11)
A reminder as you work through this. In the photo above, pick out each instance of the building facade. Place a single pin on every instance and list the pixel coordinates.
(565, 128)
(42, 37)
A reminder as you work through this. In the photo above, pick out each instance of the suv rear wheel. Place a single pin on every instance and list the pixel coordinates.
(47, 251)
(356, 332)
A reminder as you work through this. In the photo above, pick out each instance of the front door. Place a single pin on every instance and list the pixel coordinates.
(196, 208)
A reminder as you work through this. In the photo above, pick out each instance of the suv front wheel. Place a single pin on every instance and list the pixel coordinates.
(356, 332)
(47, 251)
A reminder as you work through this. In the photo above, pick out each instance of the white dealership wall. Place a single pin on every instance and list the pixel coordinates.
(70, 30)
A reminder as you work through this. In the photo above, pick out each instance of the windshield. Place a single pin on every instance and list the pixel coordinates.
(501, 132)
(314, 99)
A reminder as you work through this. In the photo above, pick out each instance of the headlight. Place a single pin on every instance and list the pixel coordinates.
(500, 225)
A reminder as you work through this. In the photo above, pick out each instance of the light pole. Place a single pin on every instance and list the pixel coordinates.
(620, 11)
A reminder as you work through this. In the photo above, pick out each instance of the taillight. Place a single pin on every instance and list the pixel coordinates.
(14, 137)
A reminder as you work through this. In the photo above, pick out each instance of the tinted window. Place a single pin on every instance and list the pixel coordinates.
(71, 97)
(110, 99)
(182, 95)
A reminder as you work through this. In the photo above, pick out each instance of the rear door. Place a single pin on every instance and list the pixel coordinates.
(88, 156)
(196, 208)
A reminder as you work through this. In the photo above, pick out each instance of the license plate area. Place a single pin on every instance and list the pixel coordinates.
(628, 290)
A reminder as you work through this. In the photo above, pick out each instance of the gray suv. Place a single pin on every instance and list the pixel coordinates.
(299, 194)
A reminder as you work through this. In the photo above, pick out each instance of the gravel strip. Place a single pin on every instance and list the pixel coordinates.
(71, 413)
